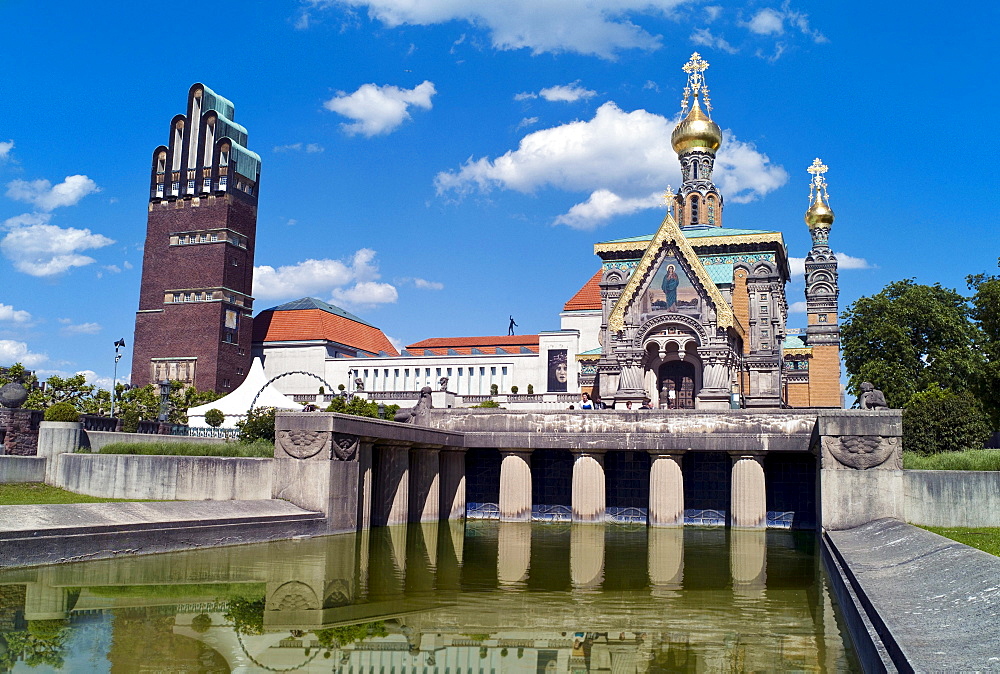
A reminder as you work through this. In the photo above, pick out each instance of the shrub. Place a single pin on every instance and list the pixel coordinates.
(258, 449)
(62, 412)
(494, 389)
(341, 387)
(941, 420)
(531, 390)
(513, 389)
(130, 421)
(360, 407)
(488, 404)
(322, 390)
(258, 425)
(214, 417)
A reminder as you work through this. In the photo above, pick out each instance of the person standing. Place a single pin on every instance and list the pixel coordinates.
(511, 326)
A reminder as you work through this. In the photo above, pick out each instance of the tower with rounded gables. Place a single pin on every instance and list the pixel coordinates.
(195, 301)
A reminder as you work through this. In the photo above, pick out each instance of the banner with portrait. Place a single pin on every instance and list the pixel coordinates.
(558, 371)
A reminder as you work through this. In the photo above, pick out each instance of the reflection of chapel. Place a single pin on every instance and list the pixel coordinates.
(690, 317)
(693, 316)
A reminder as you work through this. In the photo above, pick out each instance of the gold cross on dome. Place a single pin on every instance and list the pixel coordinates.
(695, 65)
(668, 196)
(818, 167)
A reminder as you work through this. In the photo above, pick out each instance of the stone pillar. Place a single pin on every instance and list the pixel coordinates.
(748, 509)
(452, 484)
(665, 561)
(55, 438)
(425, 485)
(513, 552)
(365, 485)
(588, 487)
(586, 556)
(666, 490)
(44, 600)
(515, 485)
(392, 485)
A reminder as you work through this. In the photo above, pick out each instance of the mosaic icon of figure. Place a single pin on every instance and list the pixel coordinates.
(669, 286)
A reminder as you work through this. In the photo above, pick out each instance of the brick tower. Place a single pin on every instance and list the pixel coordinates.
(823, 329)
(195, 303)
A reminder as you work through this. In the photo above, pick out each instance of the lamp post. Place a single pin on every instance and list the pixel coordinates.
(120, 344)
(164, 400)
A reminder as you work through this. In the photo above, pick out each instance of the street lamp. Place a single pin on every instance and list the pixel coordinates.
(120, 344)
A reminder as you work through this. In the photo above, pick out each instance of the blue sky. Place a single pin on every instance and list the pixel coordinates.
(437, 165)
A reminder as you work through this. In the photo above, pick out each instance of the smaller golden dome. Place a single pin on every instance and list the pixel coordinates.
(819, 215)
(696, 131)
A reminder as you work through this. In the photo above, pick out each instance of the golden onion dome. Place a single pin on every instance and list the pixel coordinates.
(696, 131)
(819, 215)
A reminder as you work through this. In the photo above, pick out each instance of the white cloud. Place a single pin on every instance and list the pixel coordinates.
(17, 352)
(797, 307)
(627, 154)
(311, 148)
(601, 206)
(366, 293)
(47, 196)
(652, 86)
(767, 22)
(567, 93)
(80, 329)
(526, 122)
(379, 110)
(9, 313)
(424, 284)
(40, 249)
(712, 12)
(598, 27)
(770, 21)
(5, 148)
(396, 342)
(705, 38)
(320, 277)
(844, 261)
(525, 96)
(126, 264)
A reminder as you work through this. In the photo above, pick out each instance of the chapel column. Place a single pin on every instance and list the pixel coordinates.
(365, 485)
(515, 485)
(586, 556)
(513, 553)
(665, 561)
(748, 509)
(748, 560)
(589, 496)
(452, 484)
(666, 489)
(392, 485)
(425, 489)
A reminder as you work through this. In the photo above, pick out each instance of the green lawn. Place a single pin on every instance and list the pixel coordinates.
(973, 459)
(982, 538)
(36, 493)
(260, 448)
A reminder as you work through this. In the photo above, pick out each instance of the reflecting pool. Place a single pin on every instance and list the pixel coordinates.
(476, 597)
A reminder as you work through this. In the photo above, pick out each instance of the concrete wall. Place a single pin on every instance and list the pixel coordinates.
(952, 498)
(182, 478)
(98, 439)
(21, 469)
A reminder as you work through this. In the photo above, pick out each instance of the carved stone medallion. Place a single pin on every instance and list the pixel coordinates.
(345, 446)
(302, 444)
(862, 452)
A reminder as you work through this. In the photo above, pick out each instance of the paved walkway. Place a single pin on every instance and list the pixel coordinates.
(939, 599)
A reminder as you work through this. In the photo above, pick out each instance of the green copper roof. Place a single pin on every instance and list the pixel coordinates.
(213, 101)
(313, 303)
(794, 342)
(720, 273)
(700, 234)
(592, 352)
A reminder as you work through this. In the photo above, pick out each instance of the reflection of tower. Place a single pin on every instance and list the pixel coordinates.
(823, 331)
(193, 323)
(695, 140)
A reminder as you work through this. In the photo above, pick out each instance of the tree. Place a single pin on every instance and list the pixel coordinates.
(73, 390)
(214, 417)
(940, 420)
(908, 337)
(986, 313)
(258, 425)
(360, 407)
(17, 373)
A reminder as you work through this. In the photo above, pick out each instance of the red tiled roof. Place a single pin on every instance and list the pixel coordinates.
(310, 324)
(588, 297)
(464, 345)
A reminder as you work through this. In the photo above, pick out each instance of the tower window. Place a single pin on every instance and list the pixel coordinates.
(207, 185)
(190, 186)
(223, 182)
(822, 318)
(159, 189)
(694, 209)
(694, 170)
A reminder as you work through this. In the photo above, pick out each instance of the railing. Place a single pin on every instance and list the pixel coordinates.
(476, 399)
(524, 398)
(228, 433)
(311, 398)
(93, 422)
(394, 395)
(567, 397)
(148, 427)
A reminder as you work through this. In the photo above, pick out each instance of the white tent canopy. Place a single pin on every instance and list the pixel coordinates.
(236, 404)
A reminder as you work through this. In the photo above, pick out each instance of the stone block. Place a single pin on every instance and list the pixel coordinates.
(851, 498)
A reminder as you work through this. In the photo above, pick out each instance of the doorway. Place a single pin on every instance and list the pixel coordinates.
(676, 385)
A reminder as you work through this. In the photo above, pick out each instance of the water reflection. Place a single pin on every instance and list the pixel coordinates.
(482, 597)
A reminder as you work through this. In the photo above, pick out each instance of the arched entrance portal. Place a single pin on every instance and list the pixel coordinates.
(676, 376)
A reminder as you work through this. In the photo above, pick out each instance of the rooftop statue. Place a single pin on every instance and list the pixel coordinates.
(871, 398)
